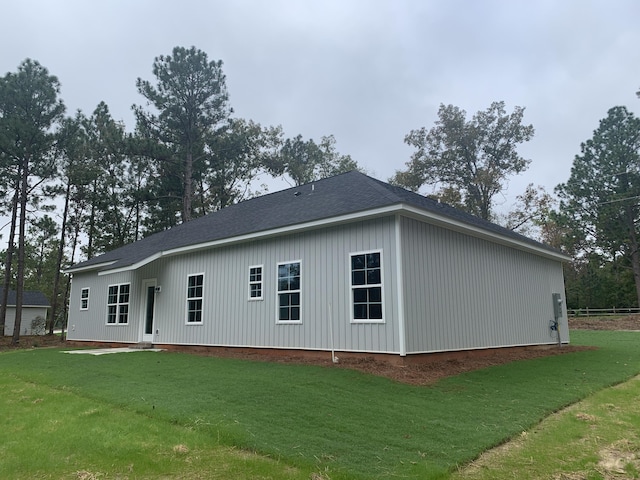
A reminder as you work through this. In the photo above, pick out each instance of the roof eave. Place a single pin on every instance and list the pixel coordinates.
(400, 208)
(362, 215)
(29, 305)
(462, 227)
(88, 268)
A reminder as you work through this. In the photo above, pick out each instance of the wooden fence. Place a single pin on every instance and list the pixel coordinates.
(602, 312)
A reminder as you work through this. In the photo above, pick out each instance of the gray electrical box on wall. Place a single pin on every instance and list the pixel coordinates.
(557, 305)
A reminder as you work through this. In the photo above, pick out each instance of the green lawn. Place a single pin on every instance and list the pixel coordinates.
(55, 433)
(301, 420)
(594, 439)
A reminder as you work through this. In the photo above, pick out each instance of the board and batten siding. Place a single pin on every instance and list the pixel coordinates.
(462, 292)
(230, 318)
(91, 324)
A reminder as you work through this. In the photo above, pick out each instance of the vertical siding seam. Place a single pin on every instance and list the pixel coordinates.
(400, 287)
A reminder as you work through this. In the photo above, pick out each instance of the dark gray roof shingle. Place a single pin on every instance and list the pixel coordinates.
(343, 194)
(31, 298)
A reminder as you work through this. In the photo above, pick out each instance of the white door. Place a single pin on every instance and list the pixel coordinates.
(149, 310)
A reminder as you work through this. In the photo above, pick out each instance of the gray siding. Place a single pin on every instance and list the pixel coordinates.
(462, 292)
(91, 324)
(458, 292)
(230, 318)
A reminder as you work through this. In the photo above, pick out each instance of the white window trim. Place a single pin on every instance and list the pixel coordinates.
(118, 304)
(260, 282)
(88, 290)
(299, 291)
(187, 298)
(353, 287)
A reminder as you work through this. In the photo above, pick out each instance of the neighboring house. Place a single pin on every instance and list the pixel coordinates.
(344, 264)
(35, 308)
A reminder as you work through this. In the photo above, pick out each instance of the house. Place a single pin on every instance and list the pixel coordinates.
(35, 308)
(343, 264)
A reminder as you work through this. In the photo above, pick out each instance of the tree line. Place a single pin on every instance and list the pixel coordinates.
(593, 216)
(80, 185)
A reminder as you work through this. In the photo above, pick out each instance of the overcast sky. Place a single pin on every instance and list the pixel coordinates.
(365, 71)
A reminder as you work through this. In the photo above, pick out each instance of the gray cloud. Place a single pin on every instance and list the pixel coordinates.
(366, 71)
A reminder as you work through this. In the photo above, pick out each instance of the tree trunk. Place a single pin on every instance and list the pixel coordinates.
(65, 303)
(203, 201)
(56, 278)
(8, 265)
(635, 250)
(21, 251)
(92, 221)
(187, 196)
(137, 210)
(635, 266)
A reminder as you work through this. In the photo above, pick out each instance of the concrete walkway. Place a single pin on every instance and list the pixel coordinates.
(105, 351)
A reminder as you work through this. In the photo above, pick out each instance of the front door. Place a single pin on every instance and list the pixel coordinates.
(148, 316)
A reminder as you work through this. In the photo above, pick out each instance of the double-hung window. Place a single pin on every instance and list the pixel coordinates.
(118, 304)
(84, 299)
(289, 292)
(366, 287)
(194, 298)
(255, 282)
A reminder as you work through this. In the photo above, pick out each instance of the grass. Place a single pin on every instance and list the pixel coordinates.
(303, 420)
(53, 433)
(594, 439)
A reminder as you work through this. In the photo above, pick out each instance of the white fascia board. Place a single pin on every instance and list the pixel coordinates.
(402, 209)
(88, 268)
(325, 222)
(257, 235)
(30, 306)
(133, 266)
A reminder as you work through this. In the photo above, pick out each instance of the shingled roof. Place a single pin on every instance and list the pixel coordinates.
(30, 298)
(347, 196)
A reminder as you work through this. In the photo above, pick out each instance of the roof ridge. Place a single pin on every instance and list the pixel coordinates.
(388, 189)
(350, 193)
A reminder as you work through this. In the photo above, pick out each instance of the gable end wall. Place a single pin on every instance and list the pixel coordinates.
(462, 292)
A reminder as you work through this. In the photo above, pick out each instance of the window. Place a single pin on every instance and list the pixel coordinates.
(84, 299)
(366, 286)
(118, 304)
(289, 292)
(255, 282)
(194, 298)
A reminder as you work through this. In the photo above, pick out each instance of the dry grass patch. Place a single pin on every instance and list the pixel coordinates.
(86, 475)
(619, 459)
(181, 449)
(585, 417)
(592, 440)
